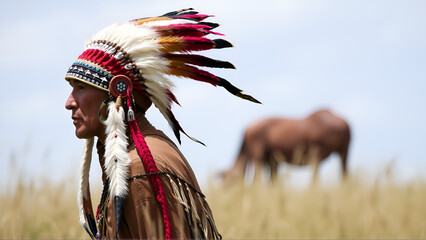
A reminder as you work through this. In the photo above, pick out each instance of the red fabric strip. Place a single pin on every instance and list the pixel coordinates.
(149, 164)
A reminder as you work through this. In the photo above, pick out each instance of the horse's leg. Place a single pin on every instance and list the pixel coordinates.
(344, 160)
(315, 174)
(259, 164)
(314, 158)
(273, 163)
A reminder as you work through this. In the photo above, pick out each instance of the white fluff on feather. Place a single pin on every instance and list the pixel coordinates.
(116, 148)
(83, 191)
(141, 44)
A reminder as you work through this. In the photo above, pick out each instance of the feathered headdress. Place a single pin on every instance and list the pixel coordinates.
(137, 56)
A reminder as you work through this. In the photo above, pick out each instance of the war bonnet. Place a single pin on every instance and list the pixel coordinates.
(137, 58)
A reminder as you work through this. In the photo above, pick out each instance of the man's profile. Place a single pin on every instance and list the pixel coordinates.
(150, 190)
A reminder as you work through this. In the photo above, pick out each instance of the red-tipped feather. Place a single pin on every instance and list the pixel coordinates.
(198, 43)
(185, 44)
(183, 70)
(172, 96)
(182, 30)
(197, 17)
(190, 30)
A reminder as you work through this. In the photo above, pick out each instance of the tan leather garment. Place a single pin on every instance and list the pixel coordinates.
(190, 214)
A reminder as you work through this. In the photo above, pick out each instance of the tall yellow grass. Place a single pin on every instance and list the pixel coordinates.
(40, 210)
(352, 210)
(349, 211)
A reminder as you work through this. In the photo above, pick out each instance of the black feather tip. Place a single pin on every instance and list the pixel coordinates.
(92, 224)
(210, 24)
(178, 12)
(213, 63)
(221, 43)
(118, 206)
(236, 91)
(177, 129)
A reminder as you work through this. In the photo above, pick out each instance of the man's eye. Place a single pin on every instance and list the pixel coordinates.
(80, 87)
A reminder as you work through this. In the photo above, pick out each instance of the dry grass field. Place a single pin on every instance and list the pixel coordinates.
(353, 210)
(47, 212)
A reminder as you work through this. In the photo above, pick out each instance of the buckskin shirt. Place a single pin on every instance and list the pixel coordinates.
(190, 214)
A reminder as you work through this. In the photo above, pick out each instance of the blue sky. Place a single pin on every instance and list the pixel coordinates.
(364, 60)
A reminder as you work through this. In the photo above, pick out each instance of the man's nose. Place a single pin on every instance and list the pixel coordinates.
(71, 103)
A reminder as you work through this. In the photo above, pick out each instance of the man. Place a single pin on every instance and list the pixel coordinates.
(150, 191)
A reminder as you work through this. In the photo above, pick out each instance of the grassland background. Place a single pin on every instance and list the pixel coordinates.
(380, 209)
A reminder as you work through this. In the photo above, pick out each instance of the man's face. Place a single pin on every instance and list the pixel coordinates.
(84, 102)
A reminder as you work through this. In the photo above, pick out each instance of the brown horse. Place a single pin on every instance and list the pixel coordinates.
(295, 141)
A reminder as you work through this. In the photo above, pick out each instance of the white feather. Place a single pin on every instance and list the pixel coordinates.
(167, 22)
(84, 177)
(117, 159)
(141, 44)
(127, 35)
(157, 90)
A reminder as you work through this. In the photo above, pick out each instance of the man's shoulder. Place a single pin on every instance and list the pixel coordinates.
(167, 157)
(163, 149)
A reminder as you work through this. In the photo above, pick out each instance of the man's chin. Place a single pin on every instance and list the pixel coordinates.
(82, 134)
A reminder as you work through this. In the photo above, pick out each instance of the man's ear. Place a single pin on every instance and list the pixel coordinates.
(103, 109)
